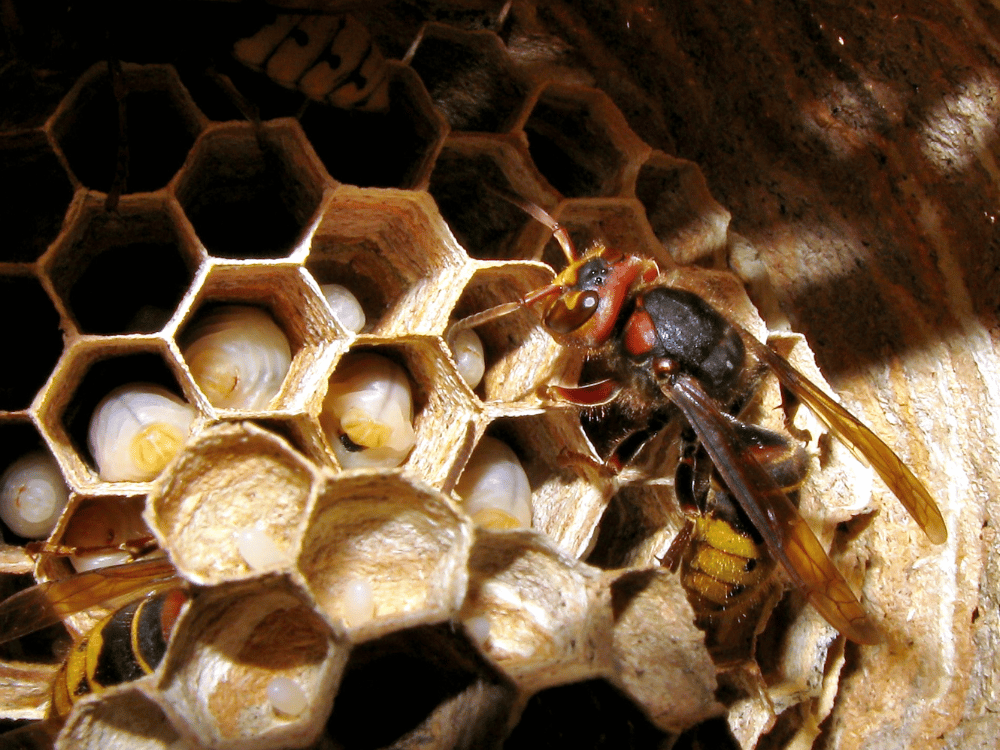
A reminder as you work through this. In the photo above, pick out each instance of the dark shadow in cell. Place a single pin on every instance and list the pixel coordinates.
(31, 338)
(37, 191)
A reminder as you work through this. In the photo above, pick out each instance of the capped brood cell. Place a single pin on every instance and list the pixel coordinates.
(163, 123)
(409, 543)
(123, 271)
(547, 616)
(233, 505)
(252, 191)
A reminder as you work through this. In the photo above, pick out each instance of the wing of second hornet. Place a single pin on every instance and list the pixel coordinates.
(864, 443)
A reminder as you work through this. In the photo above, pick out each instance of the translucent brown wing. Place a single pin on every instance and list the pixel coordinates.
(864, 443)
(786, 534)
(48, 603)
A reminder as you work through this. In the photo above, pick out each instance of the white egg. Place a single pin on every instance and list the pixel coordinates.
(369, 412)
(467, 349)
(359, 602)
(287, 696)
(136, 430)
(478, 628)
(238, 356)
(344, 306)
(494, 488)
(259, 549)
(32, 495)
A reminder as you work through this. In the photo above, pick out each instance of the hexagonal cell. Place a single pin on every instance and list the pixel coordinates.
(591, 714)
(252, 191)
(237, 652)
(383, 552)
(122, 718)
(536, 612)
(395, 148)
(123, 271)
(284, 295)
(681, 211)
(520, 354)
(469, 77)
(442, 692)
(19, 440)
(33, 344)
(394, 252)
(487, 225)
(161, 119)
(233, 505)
(37, 192)
(616, 222)
(581, 143)
(91, 371)
(442, 411)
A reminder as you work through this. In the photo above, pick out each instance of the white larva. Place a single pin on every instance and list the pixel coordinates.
(494, 488)
(238, 356)
(108, 526)
(32, 495)
(287, 696)
(344, 306)
(368, 411)
(359, 602)
(136, 430)
(259, 549)
(467, 348)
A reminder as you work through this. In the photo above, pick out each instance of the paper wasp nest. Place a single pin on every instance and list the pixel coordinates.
(368, 585)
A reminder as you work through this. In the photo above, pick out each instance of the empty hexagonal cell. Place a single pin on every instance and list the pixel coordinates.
(33, 492)
(382, 552)
(463, 183)
(33, 344)
(590, 714)
(123, 271)
(253, 666)
(395, 148)
(615, 222)
(681, 211)
(123, 718)
(538, 613)
(443, 693)
(581, 143)
(94, 370)
(37, 193)
(252, 191)
(470, 78)
(234, 504)
(395, 254)
(161, 123)
(519, 353)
